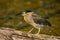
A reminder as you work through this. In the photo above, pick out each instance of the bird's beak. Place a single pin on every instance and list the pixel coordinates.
(23, 14)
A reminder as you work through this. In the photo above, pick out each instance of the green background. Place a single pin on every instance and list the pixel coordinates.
(9, 9)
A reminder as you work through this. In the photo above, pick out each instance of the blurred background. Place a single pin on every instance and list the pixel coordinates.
(10, 9)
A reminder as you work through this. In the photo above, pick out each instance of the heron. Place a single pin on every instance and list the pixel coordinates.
(35, 20)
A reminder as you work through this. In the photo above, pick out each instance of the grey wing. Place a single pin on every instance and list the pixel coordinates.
(38, 19)
(37, 16)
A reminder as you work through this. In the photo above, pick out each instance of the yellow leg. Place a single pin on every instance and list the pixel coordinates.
(30, 30)
(38, 31)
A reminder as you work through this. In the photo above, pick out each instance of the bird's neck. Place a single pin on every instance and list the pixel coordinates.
(29, 19)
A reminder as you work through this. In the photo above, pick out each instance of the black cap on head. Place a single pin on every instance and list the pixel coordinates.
(28, 11)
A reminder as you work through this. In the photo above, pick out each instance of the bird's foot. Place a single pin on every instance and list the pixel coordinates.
(37, 35)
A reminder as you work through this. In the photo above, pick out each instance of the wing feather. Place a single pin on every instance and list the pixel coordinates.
(38, 19)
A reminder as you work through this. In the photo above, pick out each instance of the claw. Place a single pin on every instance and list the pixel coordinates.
(38, 32)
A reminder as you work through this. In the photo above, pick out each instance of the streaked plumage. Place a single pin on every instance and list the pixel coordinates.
(37, 21)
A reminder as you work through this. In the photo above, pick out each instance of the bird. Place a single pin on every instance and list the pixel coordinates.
(35, 20)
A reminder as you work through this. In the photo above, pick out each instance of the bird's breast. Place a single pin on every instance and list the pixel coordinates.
(29, 19)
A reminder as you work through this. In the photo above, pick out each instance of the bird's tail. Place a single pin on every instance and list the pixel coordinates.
(48, 23)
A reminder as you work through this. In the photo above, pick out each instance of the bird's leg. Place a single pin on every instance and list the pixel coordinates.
(30, 30)
(38, 31)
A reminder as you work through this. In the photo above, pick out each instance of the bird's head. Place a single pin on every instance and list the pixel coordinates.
(27, 12)
(24, 14)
